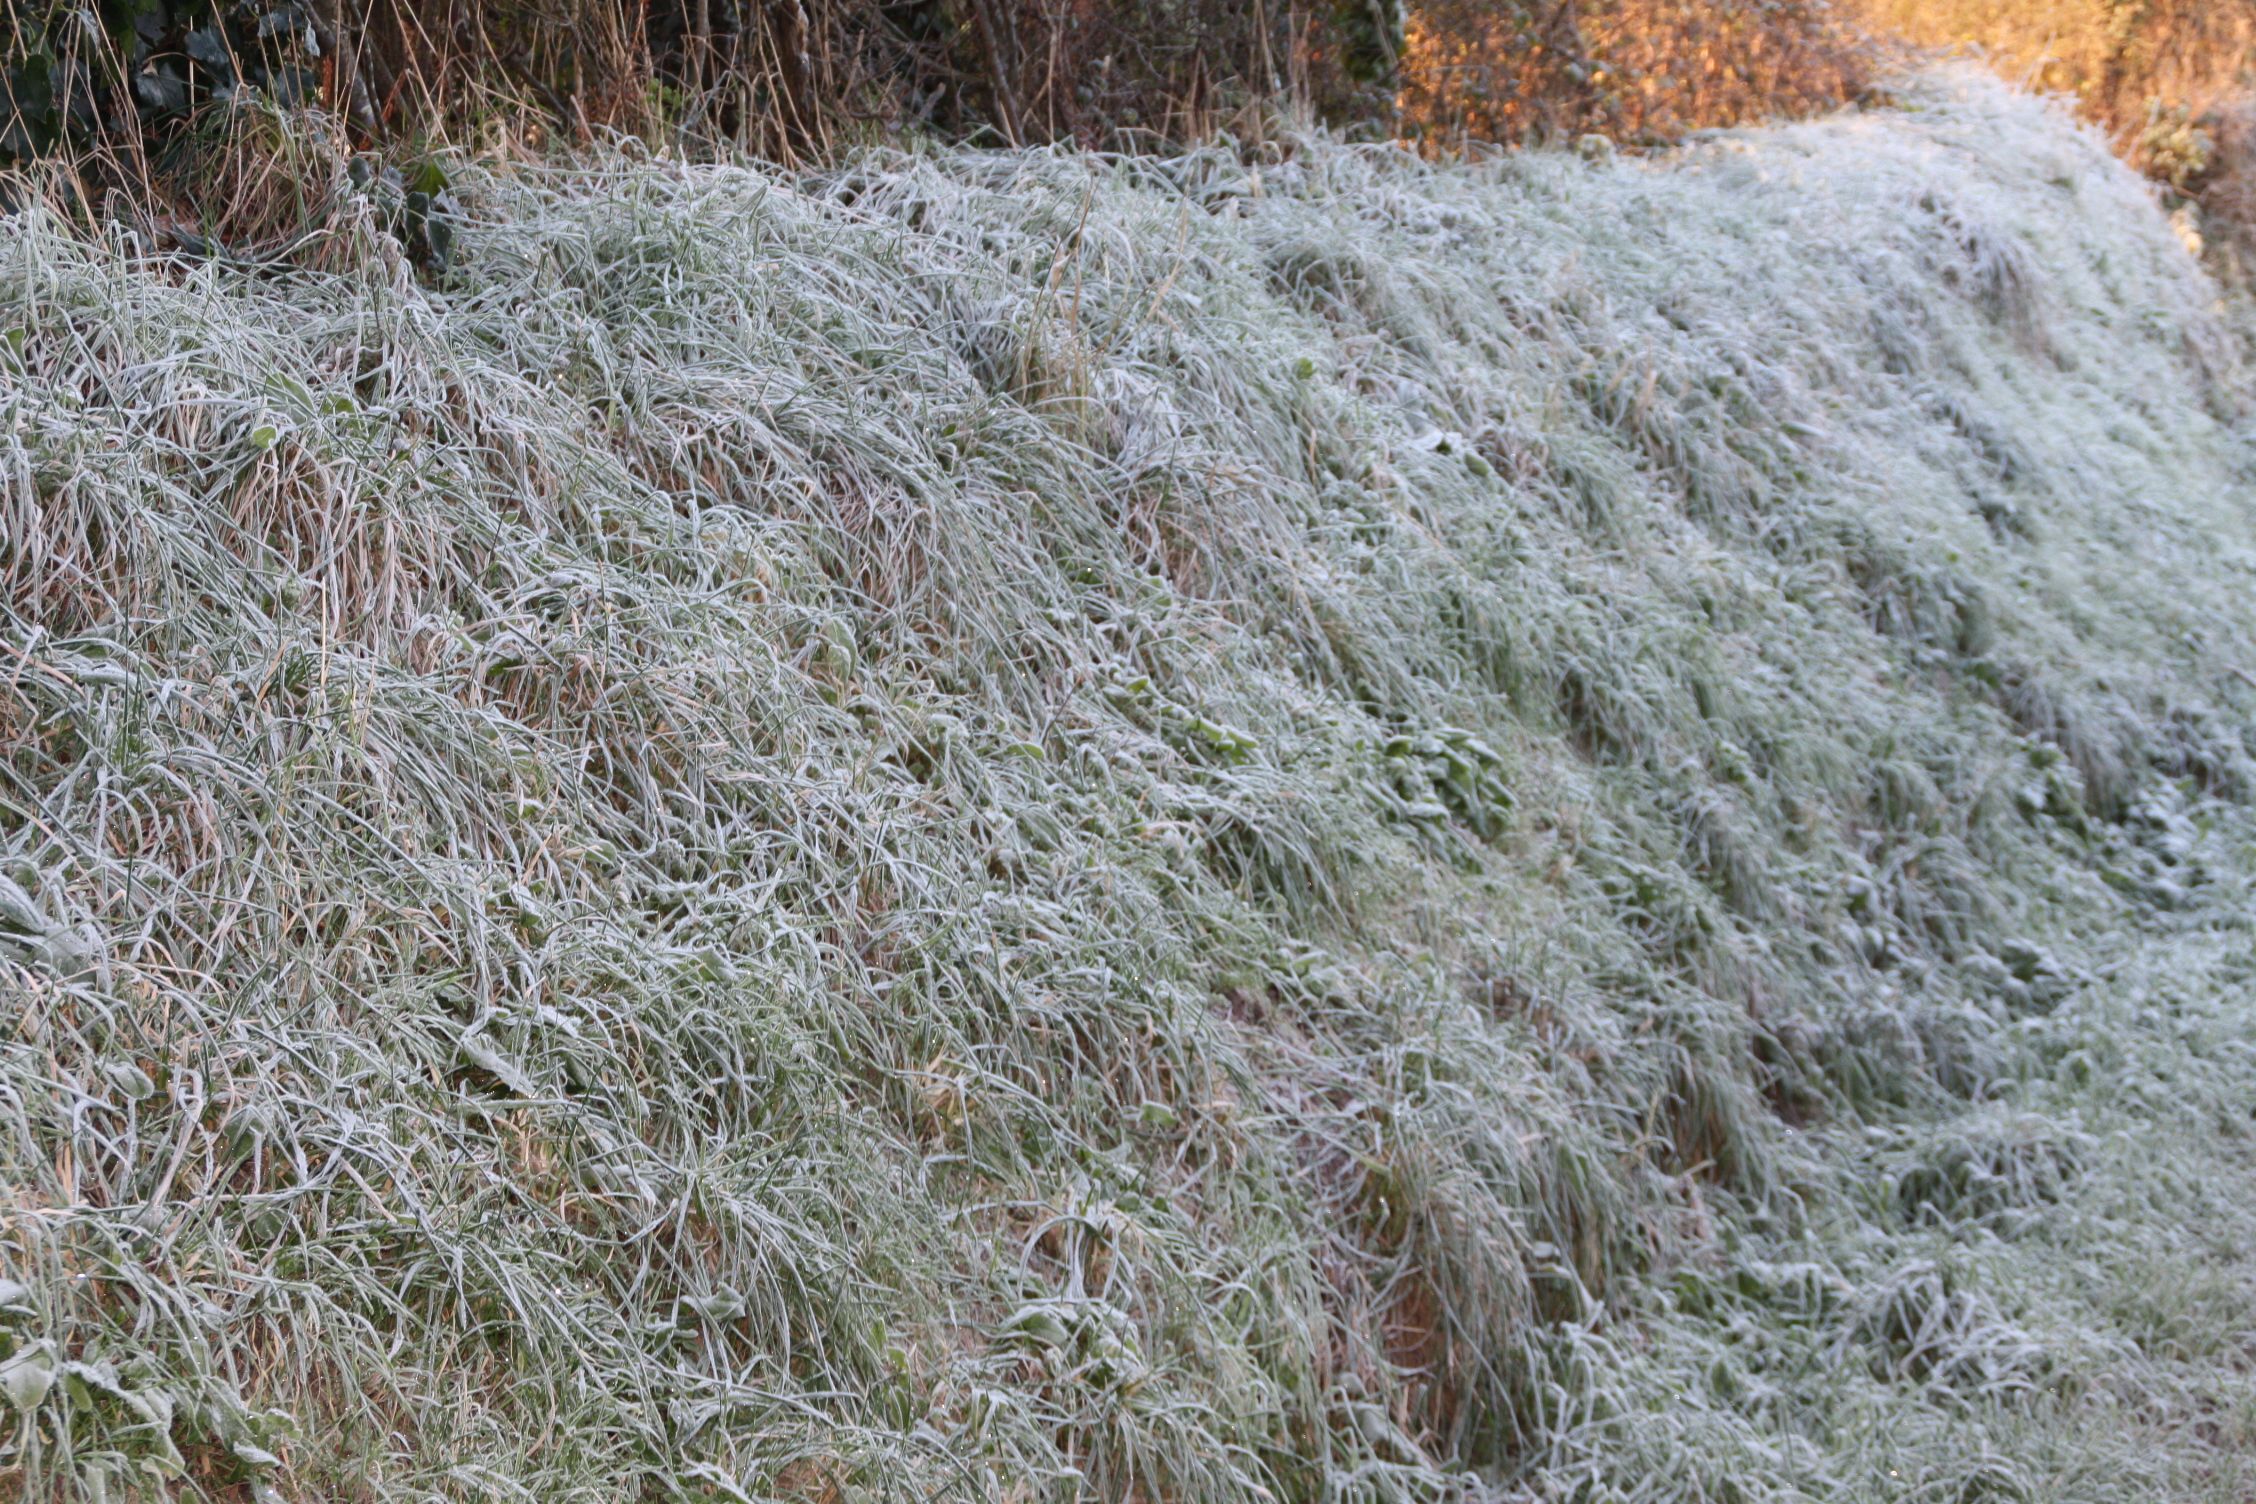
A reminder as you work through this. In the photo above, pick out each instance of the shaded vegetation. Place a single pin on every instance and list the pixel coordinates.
(781, 78)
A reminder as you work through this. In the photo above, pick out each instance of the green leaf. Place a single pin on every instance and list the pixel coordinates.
(132, 1082)
(257, 1459)
(26, 1377)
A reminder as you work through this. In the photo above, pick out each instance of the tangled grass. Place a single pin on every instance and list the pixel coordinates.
(1029, 826)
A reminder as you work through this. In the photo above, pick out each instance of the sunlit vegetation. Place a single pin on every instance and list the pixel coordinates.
(1637, 71)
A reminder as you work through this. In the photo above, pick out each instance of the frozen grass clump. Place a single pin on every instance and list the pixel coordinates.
(1295, 825)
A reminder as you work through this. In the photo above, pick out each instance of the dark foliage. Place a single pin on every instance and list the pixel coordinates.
(784, 77)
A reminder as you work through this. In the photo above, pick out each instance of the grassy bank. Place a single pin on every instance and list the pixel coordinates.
(1026, 826)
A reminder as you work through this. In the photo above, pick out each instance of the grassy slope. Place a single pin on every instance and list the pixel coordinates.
(1002, 824)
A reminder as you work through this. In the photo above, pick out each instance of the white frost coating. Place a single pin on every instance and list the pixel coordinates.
(1320, 829)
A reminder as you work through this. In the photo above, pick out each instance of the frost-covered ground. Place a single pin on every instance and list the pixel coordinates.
(1028, 827)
